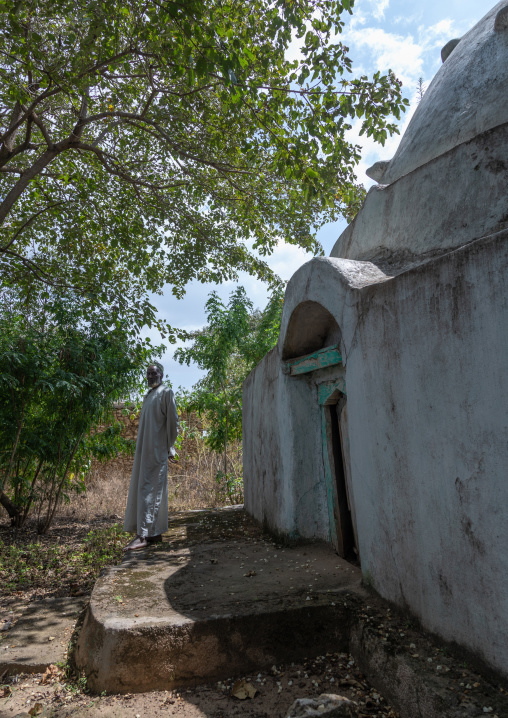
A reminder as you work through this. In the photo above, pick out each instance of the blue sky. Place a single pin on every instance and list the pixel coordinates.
(381, 34)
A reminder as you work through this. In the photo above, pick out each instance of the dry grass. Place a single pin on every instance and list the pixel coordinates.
(191, 484)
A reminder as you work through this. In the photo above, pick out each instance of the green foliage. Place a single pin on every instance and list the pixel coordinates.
(265, 327)
(144, 144)
(231, 344)
(59, 377)
(41, 566)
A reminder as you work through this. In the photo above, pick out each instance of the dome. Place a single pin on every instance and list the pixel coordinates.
(467, 97)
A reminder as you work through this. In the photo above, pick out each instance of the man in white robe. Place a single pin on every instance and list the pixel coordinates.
(147, 505)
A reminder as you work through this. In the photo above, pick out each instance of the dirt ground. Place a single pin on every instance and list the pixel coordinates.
(276, 689)
(59, 694)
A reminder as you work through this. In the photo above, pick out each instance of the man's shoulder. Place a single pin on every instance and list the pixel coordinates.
(159, 391)
(164, 390)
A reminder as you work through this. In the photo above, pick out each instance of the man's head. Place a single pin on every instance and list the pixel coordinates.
(154, 375)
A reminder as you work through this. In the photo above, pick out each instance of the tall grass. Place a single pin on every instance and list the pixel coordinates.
(192, 483)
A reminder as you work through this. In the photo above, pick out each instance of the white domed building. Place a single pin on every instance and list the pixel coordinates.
(380, 421)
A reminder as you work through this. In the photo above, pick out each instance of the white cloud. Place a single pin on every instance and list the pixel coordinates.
(379, 8)
(387, 50)
(287, 258)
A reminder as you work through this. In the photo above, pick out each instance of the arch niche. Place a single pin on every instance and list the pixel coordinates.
(311, 328)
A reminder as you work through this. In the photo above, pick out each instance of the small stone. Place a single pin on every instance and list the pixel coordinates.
(327, 705)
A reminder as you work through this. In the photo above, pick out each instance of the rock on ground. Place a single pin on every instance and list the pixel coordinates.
(327, 705)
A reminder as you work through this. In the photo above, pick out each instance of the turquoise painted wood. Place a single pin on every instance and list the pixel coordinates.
(328, 390)
(317, 360)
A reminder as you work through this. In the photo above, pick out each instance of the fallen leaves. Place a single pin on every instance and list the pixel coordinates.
(242, 690)
(52, 672)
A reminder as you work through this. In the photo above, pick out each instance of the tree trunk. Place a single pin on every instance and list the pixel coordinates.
(15, 193)
(12, 510)
(51, 514)
(14, 449)
(28, 502)
(226, 449)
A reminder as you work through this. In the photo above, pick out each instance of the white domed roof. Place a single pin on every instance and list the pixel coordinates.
(468, 96)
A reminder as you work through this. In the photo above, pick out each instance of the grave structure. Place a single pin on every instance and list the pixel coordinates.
(379, 422)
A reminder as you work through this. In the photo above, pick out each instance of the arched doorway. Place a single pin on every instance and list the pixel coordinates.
(336, 458)
(312, 344)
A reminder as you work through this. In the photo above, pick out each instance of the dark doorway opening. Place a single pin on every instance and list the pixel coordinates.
(346, 543)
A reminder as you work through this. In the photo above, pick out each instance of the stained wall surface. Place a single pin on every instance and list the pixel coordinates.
(417, 289)
(427, 390)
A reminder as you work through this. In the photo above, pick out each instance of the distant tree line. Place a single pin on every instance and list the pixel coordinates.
(59, 378)
(234, 340)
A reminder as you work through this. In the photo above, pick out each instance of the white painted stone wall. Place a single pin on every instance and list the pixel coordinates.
(428, 404)
(426, 358)
(417, 285)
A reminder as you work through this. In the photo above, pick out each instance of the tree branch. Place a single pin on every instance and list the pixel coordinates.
(10, 136)
(103, 157)
(27, 176)
(40, 124)
(27, 223)
(13, 128)
(39, 273)
(80, 125)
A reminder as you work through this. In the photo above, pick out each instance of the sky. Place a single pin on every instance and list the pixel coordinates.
(405, 36)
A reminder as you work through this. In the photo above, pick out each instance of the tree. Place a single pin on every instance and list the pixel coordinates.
(149, 143)
(265, 328)
(59, 377)
(233, 341)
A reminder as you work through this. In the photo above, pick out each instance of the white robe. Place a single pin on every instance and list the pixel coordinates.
(147, 505)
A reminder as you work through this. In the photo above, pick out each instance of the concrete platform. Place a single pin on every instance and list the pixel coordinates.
(214, 600)
(41, 636)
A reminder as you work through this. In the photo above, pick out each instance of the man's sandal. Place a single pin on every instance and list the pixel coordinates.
(136, 544)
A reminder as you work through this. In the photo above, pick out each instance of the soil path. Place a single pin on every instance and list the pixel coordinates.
(464, 691)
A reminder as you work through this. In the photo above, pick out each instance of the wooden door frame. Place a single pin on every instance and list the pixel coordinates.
(328, 395)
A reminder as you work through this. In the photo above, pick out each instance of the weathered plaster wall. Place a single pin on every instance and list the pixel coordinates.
(426, 363)
(423, 333)
(428, 407)
(282, 442)
(414, 216)
(278, 412)
(446, 184)
(466, 97)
